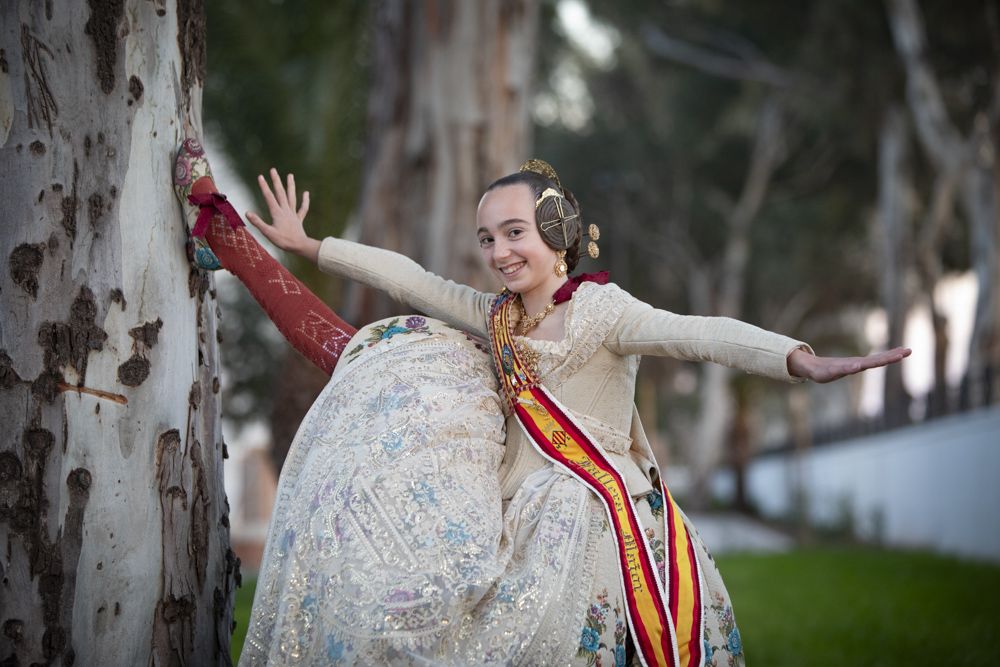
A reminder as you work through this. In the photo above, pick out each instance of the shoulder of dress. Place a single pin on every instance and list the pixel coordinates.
(593, 296)
(596, 310)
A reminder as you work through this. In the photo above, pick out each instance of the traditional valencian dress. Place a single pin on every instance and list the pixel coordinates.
(405, 533)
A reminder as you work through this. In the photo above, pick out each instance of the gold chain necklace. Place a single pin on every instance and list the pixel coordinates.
(526, 323)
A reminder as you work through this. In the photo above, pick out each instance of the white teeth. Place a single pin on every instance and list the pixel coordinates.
(507, 270)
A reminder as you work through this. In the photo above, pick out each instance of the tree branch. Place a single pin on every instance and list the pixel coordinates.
(711, 62)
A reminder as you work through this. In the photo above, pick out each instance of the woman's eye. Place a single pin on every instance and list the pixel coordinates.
(514, 233)
(485, 241)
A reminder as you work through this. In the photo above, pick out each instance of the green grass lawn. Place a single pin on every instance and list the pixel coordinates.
(844, 607)
(860, 607)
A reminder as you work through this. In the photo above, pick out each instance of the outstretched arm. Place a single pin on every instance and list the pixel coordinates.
(302, 317)
(643, 329)
(399, 276)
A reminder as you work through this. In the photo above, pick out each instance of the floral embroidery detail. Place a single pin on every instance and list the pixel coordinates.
(589, 640)
(456, 532)
(659, 552)
(734, 643)
(655, 500)
(595, 625)
(732, 647)
(380, 332)
(334, 648)
(620, 632)
(182, 172)
(193, 146)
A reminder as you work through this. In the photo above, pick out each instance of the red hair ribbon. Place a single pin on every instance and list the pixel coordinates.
(566, 291)
(212, 204)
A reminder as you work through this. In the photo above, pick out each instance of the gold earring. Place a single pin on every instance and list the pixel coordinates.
(561, 267)
(594, 233)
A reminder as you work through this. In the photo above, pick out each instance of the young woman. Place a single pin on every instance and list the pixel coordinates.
(592, 550)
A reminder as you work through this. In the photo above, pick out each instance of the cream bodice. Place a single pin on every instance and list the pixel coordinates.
(592, 370)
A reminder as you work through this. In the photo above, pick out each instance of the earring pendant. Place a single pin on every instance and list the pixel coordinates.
(561, 267)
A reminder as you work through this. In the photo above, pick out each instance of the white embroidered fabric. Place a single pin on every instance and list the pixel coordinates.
(389, 545)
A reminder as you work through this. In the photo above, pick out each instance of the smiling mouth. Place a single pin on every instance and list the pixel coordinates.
(511, 269)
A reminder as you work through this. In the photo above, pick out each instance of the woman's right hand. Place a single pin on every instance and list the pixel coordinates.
(286, 229)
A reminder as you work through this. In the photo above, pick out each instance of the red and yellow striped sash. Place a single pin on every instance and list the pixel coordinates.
(653, 610)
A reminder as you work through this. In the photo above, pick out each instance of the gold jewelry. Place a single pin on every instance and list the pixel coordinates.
(594, 233)
(546, 193)
(542, 168)
(561, 268)
(526, 323)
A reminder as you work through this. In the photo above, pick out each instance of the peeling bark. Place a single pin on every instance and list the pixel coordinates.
(88, 380)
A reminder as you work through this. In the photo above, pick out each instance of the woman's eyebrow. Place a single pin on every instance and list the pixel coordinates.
(505, 223)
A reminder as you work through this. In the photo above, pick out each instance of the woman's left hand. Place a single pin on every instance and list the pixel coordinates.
(827, 369)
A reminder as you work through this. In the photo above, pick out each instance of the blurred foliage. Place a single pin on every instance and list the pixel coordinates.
(664, 136)
(286, 87)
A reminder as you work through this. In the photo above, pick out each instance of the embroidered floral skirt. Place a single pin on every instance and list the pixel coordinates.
(390, 545)
(603, 637)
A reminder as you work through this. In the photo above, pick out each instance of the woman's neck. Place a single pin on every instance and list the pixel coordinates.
(535, 300)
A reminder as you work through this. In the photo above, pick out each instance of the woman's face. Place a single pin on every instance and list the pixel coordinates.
(511, 245)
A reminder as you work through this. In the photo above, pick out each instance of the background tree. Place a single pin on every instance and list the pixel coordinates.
(442, 92)
(287, 88)
(965, 162)
(448, 112)
(732, 156)
(668, 151)
(112, 512)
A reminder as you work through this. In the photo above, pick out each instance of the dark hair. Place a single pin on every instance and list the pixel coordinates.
(549, 211)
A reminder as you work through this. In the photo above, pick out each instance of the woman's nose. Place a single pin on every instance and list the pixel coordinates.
(500, 249)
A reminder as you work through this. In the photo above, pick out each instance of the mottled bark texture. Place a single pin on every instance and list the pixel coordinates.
(114, 545)
(449, 111)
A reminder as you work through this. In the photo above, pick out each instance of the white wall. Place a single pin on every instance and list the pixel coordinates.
(934, 486)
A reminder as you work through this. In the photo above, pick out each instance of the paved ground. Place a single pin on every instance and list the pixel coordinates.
(727, 532)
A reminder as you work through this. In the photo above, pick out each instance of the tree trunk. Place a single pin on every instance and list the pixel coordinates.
(448, 113)
(940, 216)
(893, 218)
(972, 163)
(716, 402)
(113, 520)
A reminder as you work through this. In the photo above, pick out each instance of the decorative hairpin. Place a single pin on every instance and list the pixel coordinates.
(594, 233)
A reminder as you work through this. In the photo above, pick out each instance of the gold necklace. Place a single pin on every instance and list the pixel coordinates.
(526, 323)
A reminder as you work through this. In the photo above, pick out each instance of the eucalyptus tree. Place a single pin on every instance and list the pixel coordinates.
(114, 544)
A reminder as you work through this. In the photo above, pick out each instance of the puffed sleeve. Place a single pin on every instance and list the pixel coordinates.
(408, 282)
(642, 329)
